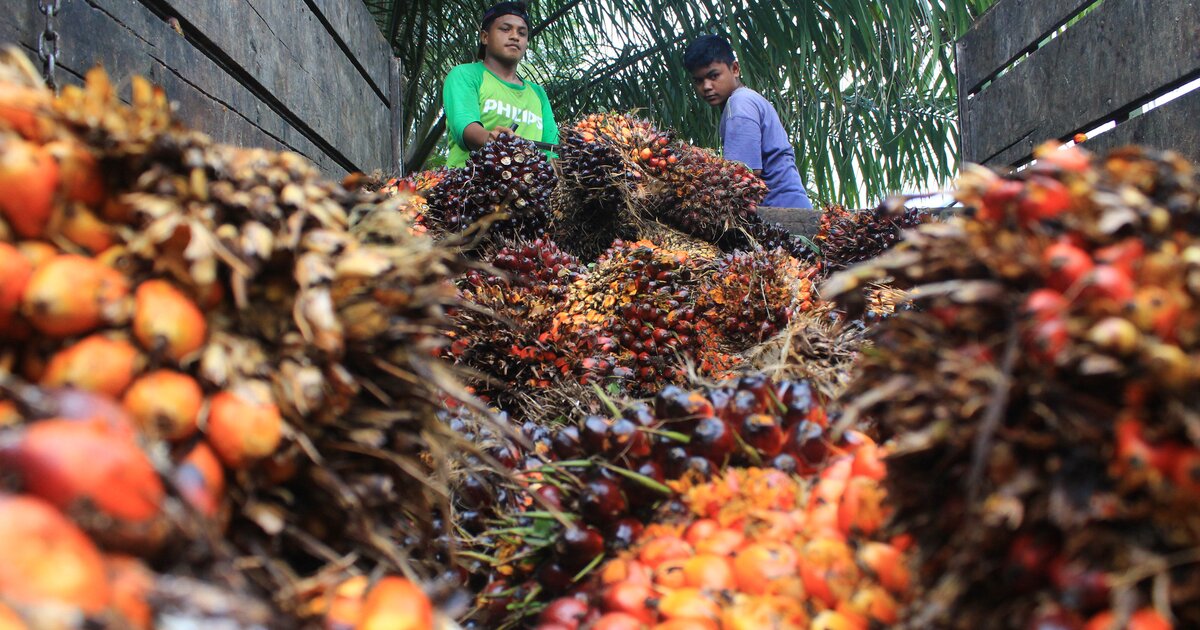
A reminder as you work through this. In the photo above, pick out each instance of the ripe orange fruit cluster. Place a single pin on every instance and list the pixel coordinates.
(758, 549)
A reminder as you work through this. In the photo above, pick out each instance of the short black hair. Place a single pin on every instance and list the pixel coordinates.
(707, 50)
(519, 9)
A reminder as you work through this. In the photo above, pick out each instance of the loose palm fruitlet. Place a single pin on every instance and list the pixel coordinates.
(1043, 396)
(259, 355)
(508, 176)
(846, 238)
(753, 548)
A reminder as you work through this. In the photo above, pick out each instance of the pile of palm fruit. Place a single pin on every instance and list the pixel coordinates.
(218, 405)
(1042, 396)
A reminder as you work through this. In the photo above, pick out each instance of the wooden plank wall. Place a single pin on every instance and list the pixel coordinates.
(1104, 66)
(311, 76)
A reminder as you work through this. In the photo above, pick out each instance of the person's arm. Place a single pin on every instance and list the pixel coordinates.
(460, 99)
(549, 125)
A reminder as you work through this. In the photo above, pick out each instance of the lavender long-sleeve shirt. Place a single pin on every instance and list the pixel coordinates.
(752, 134)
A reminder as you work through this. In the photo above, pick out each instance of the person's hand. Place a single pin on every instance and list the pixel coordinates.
(495, 133)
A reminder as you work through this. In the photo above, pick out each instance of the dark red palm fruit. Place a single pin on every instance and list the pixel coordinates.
(641, 414)
(712, 439)
(594, 435)
(1028, 562)
(700, 467)
(760, 386)
(720, 397)
(763, 433)
(675, 461)
(1054, 617)
(1080, 587)
(638, 494)
(627, 440)
(601, 502)
(554, 577)
(744, 403)
(624, 533)
(579, 545)
(472, 521)
(1047, 341)
(504, 454)
(806, 442)
(495, 599)
(473, 492)
(566, 612)
(671, 403)
(784, 463)
(797, 403)
(551, 495)
(566, 442)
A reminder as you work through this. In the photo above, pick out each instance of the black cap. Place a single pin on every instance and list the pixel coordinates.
(518, 9)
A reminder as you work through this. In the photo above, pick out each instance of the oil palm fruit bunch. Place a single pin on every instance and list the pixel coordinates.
(499, 335)
(1044, 388)
(711, 195)
(406, 214)
(218, 294)
(753, 548)
(508, 176)
(758, 233)
(638, 303)
(610, 474)
(637, 141)
(750, 296)
(594, 164)
(846, 238)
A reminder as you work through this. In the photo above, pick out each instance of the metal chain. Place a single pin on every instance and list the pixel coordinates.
(47, 43)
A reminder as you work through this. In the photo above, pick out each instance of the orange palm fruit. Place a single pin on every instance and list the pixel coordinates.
(828, 570)
(72, 465)
(29, 178)
(244, 426)
(96, 364)
(875, 604)
(167, 321)
(131, 582)
(200, 480)
(37, 253)
(631, 598)
(670, 574)
(10, 415)
(660, 549)
(9, 619)
(44, 558)
(723, 542)
(165, 404)
(707, 571)
(760, 565)
(79, 172)
(688, 603)
(833, 620)
(887, 564)
(69, 295)
(617, 621)
(346, 606)
(1144, 619)
(83, 228)
(396, 604)
(15, 271)
(862, 508)
(20, 109)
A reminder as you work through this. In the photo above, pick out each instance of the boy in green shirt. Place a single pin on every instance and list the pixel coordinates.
(488, 97)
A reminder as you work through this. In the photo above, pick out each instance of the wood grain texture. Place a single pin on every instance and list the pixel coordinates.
(1171, 126)
(1097, 70)
(352, 23)
(800, 221)
(1006, 31)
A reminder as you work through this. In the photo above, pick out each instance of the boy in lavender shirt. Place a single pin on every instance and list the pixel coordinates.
(750, 129)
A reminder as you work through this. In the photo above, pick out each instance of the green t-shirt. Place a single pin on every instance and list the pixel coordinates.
(472, 93)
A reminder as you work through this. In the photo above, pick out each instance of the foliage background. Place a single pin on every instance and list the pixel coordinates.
(866, 88)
